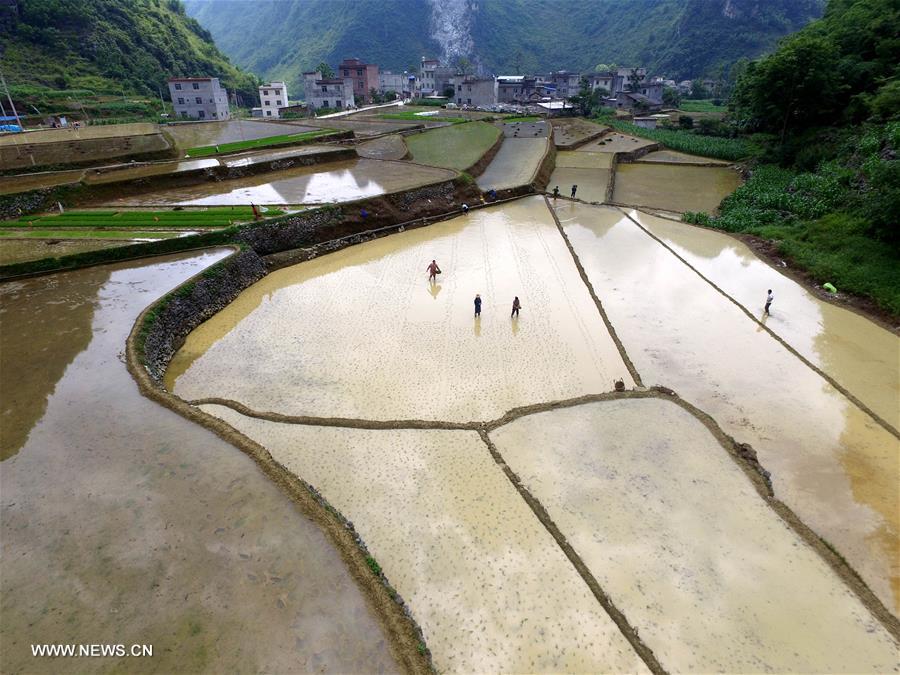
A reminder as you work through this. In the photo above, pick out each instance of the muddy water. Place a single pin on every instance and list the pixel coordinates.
(671, 156)
(333, 182)
(124, 523)
(515, 164)
(830, 462)
(584, 160)
(23, 183)
(22, 250)
(592, 183)
(638, 488)
(857, 353)
(386, 147)
(198, 134)
(362, 333)
(488, 585)
(674, 188)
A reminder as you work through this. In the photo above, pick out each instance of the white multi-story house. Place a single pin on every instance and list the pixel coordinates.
(332, 92)
(272, 96)
(199, 98)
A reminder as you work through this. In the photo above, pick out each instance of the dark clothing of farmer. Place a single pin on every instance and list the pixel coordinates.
(556, 192)
(574, 190)
(516, 307)
(477, 305)
(433, 270)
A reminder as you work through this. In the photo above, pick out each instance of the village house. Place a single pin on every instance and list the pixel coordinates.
(272, 96)
(392, 82)
(434, 79)
(334, 92)
(519, 89)
(199, 98)
(364, 77)
(563, 84)
(479, 92)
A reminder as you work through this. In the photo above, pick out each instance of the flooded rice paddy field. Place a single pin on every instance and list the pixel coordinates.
(366, 127)
(860, 355)
(515, 164)
(198, 134)
(614, 143)
(486, 582)
(362, 332)
(573, 130)
(583, 160)
(592, 183)
(319, 184)
(386, 147)
(832, 463)
(674, 188)
(22, 250)
(672, 156)
(124, 521)
(684, 545)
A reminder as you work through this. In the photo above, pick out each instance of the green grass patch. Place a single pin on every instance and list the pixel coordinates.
(86, 233)
(413, 117)
(806, 214)
(182, 219)
(455, 147)
(283, 139)
(731, 149)
(701, 106)
(522, 118)
(373, 565)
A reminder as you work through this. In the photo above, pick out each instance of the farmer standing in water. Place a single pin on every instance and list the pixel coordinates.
(516, 307)
(433, 270)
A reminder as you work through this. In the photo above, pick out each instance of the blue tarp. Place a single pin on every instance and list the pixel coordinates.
(10, 127)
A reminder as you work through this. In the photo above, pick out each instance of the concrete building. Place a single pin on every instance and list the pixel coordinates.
(272, 96)
(331, 92)
(563, 84)
(199, 98)
(434, 79)
(519, 89)
(363, 77)
(605, 80)
(395, 82)
(479, 92)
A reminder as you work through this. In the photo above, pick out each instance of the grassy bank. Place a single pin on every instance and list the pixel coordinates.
(807, 216)
(414, 117)
(284, 139)
(701, 106)
(181, 219)
(87, 233)
(732, 149)
(456, 147)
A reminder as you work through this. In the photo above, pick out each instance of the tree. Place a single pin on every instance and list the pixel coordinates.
(685, 122)
(586, 100)
(671, 97)
(326, 70)
(375, 96)
(634, 80)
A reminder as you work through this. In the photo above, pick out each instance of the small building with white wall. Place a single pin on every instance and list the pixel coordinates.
(272, 96)
(480, 92)
(335, 93)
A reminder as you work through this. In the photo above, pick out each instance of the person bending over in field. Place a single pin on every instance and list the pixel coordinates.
(433, 270)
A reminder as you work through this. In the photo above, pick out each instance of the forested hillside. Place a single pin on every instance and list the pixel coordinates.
(109, 46)
(680, 38)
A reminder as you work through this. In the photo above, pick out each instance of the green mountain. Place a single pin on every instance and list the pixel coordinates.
(108, 46)
(279, 39)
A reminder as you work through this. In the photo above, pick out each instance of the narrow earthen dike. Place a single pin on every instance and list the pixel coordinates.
(162, 328)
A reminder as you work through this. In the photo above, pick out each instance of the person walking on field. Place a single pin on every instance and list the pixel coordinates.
(433, 270)
(516, 307)
(769, 298)
(555, 192)
(477, 305)
(574, 190)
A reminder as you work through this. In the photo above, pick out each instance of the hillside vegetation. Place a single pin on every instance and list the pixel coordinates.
(108, 47)
(825, 107)
(681, 38)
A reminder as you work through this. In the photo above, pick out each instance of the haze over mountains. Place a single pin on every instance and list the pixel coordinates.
(279, 39)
